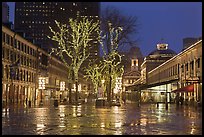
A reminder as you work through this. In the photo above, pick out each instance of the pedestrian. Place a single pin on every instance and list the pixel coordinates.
(186, 100)
(181, 100)
(26, 101)
(123, 99)
(177, 100)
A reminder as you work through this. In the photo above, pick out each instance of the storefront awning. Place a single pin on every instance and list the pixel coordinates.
(138, 87)
(189, 88)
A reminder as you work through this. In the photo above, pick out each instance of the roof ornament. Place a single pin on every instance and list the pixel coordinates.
(162, 45)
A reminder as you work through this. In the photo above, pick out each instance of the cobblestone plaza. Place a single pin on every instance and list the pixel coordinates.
(86, 119)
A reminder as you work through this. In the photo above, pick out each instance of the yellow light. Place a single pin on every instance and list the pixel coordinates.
(62, 85)
(103, 81)
(41, 82)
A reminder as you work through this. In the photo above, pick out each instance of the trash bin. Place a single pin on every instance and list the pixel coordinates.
(56, 103)
(100, 102)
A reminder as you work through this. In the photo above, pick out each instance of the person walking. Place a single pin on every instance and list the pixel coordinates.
(181, 100)
(177, 100)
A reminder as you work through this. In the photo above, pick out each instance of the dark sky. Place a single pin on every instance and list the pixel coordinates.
(171, 21)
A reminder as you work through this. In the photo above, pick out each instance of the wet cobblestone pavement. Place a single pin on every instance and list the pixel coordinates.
(128, 119)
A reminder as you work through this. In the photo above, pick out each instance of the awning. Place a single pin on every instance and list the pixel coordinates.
(189, 88)
(139, 86)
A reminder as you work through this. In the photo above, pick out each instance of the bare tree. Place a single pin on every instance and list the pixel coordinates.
(128, 23)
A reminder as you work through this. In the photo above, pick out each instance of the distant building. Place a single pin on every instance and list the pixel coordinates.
(154, 59)
(132, 61)
(5, 16)
(189, 41)
(34, 19)
(5, 12)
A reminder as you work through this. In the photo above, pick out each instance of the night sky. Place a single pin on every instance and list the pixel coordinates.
(171, 21)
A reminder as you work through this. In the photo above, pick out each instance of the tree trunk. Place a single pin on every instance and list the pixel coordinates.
(70, 93)
(76, 99)
(109, 88)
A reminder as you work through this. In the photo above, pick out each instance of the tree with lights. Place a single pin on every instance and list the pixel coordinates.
(74, 42)
(111, 58)
(95, 74)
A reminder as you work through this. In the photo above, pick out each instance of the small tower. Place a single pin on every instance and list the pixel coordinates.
(134, 64)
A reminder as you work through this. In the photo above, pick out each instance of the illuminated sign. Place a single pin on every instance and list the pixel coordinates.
(41, 82)
(62, 85)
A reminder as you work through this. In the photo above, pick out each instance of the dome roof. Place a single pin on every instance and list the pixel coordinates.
(162, 51)
(159, 52)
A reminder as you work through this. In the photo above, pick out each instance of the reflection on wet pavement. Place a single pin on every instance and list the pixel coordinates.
(88, 120)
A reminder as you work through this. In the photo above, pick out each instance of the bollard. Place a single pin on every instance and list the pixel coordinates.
(56, 103)
(166, 105)
(157, 104)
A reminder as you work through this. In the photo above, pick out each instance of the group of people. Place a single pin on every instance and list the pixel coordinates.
(179, 100)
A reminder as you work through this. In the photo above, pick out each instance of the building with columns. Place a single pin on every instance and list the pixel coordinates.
(180, 75)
